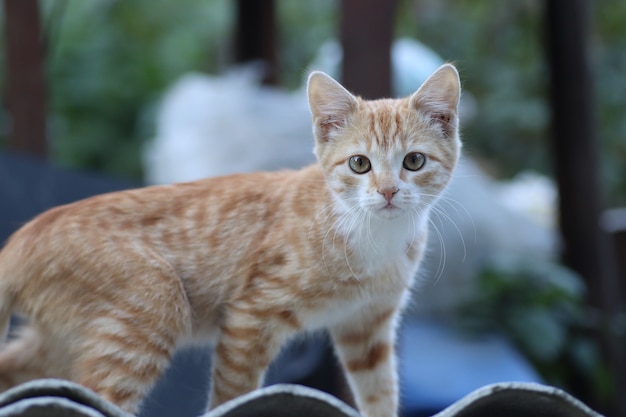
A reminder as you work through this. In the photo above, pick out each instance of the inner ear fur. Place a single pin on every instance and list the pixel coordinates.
(439, 97)
(330, 103)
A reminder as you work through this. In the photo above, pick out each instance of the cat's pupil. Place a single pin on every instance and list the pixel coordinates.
(359, 164)
(414, 161)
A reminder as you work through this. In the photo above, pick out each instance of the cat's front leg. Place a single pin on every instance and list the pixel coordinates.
(248, 341)
(365, 346)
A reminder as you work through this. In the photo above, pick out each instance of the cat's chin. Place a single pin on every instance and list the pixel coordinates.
(389, 212)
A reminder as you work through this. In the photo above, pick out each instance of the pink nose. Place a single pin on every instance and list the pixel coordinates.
(388, 193)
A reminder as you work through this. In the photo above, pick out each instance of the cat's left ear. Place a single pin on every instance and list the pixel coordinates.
(439, 97)
(331, 105)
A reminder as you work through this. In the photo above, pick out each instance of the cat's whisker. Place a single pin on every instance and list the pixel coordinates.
(339, 224)
(353, 221)
(443, 255)
(334, 227)
(331, 228)
(442, 249)
(323, 211)
(369, 232)
(414, 234)
(414, 216)
(455, 205)
(452, 202)
(442, 213)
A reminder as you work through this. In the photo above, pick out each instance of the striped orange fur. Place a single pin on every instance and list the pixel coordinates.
(111, 286)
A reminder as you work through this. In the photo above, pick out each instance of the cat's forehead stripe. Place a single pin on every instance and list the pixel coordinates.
(385, 123)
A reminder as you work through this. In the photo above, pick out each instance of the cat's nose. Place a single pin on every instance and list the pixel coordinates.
(388, 193)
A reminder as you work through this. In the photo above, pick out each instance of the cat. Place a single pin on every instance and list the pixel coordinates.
(112, 285)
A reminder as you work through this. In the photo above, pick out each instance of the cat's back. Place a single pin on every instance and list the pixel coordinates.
(119, 243)
(176, 212)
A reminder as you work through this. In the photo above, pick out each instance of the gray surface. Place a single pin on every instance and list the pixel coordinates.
(52, 397)
(517, 399)
(49, 397)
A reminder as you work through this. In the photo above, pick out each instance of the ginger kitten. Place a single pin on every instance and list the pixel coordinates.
(112, 285)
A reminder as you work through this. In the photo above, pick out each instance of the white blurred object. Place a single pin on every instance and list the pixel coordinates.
(217, 125)
(532, 194)
(411, 63)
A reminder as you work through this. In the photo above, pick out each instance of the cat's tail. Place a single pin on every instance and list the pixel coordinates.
(23, 358)
(6, 299)
(6, 308)
(14, 352)
(5, 317)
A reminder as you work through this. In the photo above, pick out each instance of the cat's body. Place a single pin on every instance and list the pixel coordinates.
(113, 285)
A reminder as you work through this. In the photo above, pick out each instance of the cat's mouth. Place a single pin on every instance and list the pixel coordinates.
(389, 210)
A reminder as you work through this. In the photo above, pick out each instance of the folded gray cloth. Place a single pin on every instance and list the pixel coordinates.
(518, 399)
(56, 398)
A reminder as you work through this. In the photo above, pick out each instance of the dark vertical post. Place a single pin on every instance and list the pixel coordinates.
(574, 149)
(614, 223)
(587, 249)
(366, 34)
(26, 95)
(255, 36)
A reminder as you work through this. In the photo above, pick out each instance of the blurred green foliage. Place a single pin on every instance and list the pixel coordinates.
(109, 61)
(540, 306)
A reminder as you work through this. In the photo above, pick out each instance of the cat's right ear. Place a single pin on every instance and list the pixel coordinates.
(439, 98)
(331, 105)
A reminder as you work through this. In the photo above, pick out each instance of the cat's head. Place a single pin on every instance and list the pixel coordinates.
(387, 157)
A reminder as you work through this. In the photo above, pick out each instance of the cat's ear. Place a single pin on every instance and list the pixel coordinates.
(439, 98)
(331, 105)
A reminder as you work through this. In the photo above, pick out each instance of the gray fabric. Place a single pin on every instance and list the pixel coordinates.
(518, 399)
(48, 406)
(55, 398)
(284, 400)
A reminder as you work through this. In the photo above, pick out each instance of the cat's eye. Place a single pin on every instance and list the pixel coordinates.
(414, 161)
(359, 164)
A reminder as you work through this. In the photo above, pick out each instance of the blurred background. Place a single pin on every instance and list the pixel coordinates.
(526, 276)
